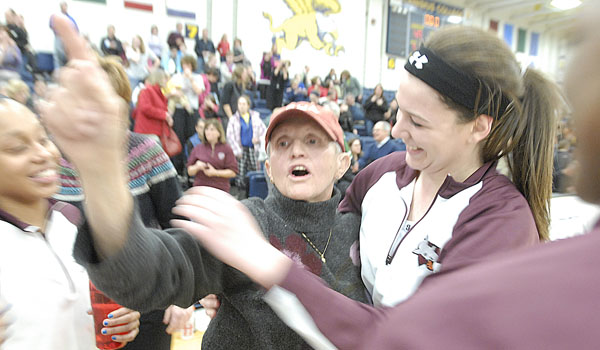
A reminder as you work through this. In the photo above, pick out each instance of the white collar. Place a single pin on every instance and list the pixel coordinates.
(379, 145)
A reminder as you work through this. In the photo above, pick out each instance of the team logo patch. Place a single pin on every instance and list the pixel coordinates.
(418, 60)
(427, 253)
(221, 155)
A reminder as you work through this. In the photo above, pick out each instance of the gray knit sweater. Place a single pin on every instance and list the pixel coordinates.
(158, 268)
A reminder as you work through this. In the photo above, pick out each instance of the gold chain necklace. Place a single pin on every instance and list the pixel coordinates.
(315, 248)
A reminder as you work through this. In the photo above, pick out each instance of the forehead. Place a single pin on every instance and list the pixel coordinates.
(415, 96)
(14, 116)
(298, 126)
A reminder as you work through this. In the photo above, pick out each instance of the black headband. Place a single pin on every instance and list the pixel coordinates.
(449, 81)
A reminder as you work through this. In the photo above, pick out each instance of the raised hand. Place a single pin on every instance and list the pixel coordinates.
(227, 229)
(84, 114)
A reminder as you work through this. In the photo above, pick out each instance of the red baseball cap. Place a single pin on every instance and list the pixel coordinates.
(323, 116)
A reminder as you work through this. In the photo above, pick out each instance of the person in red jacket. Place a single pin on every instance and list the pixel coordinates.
(151, 112)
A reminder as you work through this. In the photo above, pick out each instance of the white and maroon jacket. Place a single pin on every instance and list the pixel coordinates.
(466, 223)
(47, 289)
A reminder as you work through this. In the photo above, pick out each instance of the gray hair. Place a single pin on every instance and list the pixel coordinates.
(385, 125)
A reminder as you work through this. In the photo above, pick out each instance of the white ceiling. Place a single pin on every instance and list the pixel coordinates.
(534, 14)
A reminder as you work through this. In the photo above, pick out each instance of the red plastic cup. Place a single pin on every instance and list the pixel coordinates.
(101, 307)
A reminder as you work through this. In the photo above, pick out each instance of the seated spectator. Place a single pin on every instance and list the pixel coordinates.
(19, 91)
(358, 113)
(316, 85)
(350, 85)
(382, 147)
(332, 91)
(110, 45)
(238, 53)
(212, 162)
(226, 68)
(331, 76)
(171, 60)
(313, 97)
(355, 153)
(390, 114)
(211, 81)
(210, 108)
(347, 121)
(295, 93)
(194, 140)
(331, 102)
(376, 105)
(10, 57)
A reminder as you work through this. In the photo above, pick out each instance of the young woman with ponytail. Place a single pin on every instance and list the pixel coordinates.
(463, 105)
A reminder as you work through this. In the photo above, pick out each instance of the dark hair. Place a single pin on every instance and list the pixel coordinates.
(525, 132)
(212, 71)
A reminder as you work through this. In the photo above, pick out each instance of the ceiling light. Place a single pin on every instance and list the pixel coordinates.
(565, 4)
(454, 19)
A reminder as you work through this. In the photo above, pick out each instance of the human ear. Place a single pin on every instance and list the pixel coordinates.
(268, 170)
(481, 128)
(343, 163)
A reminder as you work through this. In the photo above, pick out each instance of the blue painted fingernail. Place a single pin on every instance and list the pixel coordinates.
(113, 338)
(104, 331)
(105, 323)
(110, 315)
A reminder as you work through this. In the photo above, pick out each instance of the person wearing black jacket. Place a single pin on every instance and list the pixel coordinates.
(376, 105)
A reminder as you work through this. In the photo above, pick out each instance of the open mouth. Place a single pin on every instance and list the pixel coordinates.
(299, 171)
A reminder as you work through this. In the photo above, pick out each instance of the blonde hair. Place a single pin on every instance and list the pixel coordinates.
(117, 76)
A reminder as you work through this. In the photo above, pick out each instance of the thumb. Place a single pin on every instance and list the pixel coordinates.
(167, 316)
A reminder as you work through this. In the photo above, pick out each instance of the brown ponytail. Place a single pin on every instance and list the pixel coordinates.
(525, 132)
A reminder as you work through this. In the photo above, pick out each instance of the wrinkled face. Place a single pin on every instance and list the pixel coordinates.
(379, 133)
(28, 159)
(303, 162)
(435, 141)
(243, 106)
(356, 147)
(211, 134)
(583, 89)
